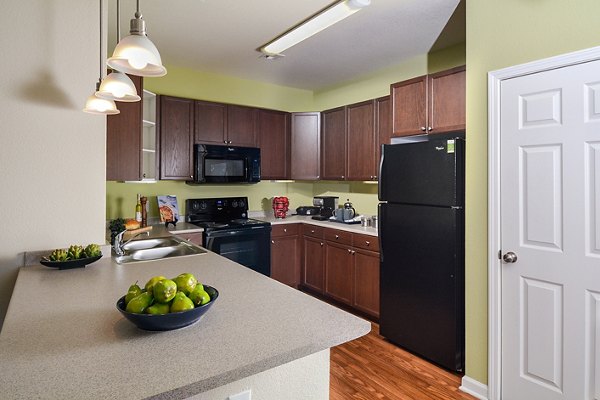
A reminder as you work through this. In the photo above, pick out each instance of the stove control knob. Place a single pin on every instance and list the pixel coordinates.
(203, 205)
(195, 206)
(234, 203)
(244, 215)
(242, 203)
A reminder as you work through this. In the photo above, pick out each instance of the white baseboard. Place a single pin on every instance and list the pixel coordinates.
(474, 388)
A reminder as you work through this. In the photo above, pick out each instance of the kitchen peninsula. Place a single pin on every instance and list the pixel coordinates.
(64, 338)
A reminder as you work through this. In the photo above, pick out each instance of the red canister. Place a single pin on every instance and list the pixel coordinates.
(280, 206)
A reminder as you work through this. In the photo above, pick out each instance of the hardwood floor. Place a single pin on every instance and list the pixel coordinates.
(372, 368)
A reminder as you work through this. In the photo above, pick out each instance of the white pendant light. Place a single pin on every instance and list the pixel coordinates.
(313, 25)
(136, 54)
(96, 105)
(118, 86)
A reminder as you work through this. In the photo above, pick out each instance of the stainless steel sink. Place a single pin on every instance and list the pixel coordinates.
(156, 249)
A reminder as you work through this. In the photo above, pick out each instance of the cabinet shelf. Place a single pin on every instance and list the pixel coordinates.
(149, 150)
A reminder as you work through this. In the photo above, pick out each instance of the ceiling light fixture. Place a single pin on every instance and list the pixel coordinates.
(136, 54)
(96, 105)
(313, 25)
(118, 86)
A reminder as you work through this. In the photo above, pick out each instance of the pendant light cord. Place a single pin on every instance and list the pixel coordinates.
(137, 10)
(100, 53)
(118, 21)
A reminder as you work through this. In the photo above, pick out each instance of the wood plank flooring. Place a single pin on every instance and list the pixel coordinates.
(372, 368)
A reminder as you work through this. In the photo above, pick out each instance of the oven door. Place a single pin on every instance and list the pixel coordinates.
(247, 246)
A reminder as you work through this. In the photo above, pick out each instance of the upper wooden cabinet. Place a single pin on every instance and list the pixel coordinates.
(210, 122)
(217, 123)
(361, 161)
(305, 145)
(124, 140)
(333, 144)
(176, 138)
(429, 104)
(383, 127)
(274, 143)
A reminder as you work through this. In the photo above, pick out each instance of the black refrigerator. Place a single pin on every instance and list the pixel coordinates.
(421, 231)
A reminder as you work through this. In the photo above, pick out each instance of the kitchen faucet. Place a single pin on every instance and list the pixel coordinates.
(118, 245)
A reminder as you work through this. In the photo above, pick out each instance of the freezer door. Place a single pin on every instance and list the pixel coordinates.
(422, 281)
(429, 173)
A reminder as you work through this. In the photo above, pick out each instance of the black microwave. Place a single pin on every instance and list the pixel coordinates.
(226, 164)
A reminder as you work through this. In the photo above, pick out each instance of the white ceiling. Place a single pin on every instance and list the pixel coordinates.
(222, 36)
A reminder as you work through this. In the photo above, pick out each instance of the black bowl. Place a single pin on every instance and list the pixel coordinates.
(167, 322)
(79, 263)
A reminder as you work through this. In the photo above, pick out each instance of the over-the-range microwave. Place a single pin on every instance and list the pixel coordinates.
(226, 164)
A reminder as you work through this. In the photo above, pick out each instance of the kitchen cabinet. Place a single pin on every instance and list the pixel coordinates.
(333, 147)
(210, 122)
(366, 281)
(383, 127)
(124, 140)
(313, 262)
(176, 138)
(429, 104)
(305, 146)
(338, 272)
(149, 137)
(193, 237)
(361, 142)
(285, 254)
(218, 123)
(274, 143)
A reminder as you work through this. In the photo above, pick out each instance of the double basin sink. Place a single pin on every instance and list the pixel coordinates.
(156, 249)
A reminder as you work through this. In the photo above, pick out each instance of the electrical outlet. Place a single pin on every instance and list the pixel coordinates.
(245, 395)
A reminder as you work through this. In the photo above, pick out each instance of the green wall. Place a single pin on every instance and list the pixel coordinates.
(502, 34)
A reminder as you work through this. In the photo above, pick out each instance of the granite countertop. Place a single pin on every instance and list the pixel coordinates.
(307, 219)
(64, 338)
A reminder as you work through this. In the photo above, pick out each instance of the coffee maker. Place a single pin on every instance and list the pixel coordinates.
(326, 204)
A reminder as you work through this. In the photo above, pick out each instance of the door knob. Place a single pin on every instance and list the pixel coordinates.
(509, 257)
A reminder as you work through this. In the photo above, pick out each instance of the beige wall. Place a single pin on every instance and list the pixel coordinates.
(52, 156)
(501, 34)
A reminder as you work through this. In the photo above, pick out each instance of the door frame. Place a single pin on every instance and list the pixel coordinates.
(495, 79)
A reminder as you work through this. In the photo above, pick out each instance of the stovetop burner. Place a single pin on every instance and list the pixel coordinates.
(221, 213)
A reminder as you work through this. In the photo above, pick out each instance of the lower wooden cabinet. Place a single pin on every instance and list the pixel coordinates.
(366, 281)
(193, 237)
(338, 272)
(285, 254)
(313, 264)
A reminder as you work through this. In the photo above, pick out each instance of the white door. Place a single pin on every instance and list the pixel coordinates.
(550, 220)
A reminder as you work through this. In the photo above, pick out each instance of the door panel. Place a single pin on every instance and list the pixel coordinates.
(550, 157)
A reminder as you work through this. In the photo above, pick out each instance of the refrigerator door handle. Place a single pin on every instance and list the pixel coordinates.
(381, 177)
(380, 220)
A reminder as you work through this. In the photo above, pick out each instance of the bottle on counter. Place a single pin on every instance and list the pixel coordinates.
(138, 210)
(144, 208)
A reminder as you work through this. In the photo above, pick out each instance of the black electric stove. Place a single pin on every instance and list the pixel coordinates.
(229, 232)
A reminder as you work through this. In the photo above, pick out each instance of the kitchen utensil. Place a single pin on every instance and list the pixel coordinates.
(338, 214)
(365, 221)
(349, 211)
(167, 322)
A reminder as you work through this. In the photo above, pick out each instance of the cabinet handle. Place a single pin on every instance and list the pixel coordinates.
(349, 251)
(285, 230)
(272, 241)
(337, 237)
(343, 177)
(367, 243)
(321, 243)
(353, 252)
(225, 141)
(429, 129)
(312, 231)
(375, 177)
(423, 128)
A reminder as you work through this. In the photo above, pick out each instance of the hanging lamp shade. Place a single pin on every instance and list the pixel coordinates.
(96, 105)
(118, 87)
(136, 54)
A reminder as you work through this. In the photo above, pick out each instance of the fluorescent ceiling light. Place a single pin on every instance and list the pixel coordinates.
(314, 25)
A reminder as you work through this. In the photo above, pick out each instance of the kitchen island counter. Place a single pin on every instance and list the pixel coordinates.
(64, 338)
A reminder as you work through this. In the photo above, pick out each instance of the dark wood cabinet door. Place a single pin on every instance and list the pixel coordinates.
(313, 268)
(176, 138)
(447, 100)
(361, 158)
(274, 140)
(383, 127)
(409, 112)
(305, 146)
(210, 122)
(285, 259)
(124, 140)
(366, 281)
(338, 272)
(333, 147)
(241, 125)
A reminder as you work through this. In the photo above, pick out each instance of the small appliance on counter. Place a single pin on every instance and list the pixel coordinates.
(308, 210)
(281, 206)
(327, 205)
